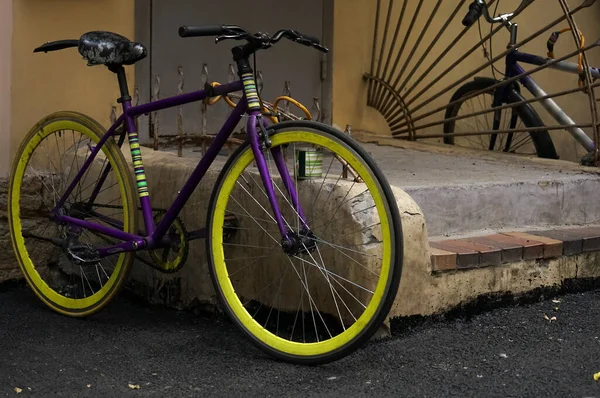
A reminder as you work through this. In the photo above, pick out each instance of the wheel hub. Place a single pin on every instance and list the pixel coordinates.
(295, 244)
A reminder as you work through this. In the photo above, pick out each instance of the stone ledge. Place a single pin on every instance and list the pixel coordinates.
(429, 285)
(437, 292)
(432, 280)
(32, 209)
(192, 285)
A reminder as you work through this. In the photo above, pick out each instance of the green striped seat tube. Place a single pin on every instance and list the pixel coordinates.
(138, 165)
(251, 93)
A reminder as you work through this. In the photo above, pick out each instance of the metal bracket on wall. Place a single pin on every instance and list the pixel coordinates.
(154, 120)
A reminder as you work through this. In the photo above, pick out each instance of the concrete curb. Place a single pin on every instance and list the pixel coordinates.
(192, 285)
(422, 291)
(386, 140)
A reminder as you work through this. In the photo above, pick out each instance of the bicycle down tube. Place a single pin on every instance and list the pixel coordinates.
(513, 69)
(155, 233)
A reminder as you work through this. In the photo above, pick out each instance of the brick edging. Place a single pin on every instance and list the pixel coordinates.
(510, 247)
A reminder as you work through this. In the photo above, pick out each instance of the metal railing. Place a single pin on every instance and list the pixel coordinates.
(278, 110)
(416, 67)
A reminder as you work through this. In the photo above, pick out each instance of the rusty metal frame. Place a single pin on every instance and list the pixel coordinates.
(497, 85)
(389, 89)
(588, 78)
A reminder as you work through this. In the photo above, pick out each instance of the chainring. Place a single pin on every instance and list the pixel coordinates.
(171, 258)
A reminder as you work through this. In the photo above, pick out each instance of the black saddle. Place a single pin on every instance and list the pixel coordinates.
(101, 48)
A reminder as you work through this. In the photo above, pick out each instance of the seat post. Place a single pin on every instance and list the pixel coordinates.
(122, 78)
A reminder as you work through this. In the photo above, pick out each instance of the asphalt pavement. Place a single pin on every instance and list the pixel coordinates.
(132, 350)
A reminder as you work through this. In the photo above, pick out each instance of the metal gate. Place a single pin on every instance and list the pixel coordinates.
(178, 64)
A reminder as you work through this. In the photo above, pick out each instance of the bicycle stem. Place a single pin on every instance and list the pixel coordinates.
(502, 18)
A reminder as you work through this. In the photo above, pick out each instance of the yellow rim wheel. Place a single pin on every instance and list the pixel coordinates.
(335, 288)
(46, 163)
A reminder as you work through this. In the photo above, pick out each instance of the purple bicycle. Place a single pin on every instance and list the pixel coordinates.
(303, 234)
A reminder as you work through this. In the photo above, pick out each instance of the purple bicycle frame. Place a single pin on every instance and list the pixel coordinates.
(155, 233)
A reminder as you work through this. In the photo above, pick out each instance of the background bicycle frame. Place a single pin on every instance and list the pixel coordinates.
(155, 233)
(513, 69)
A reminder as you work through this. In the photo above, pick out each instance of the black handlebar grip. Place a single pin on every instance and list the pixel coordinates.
(473, 15)
(312, 39)
(303, 39)
(199, 31)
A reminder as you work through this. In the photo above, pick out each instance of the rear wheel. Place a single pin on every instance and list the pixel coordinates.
(321, 300)
(45, 165)
(537, 143)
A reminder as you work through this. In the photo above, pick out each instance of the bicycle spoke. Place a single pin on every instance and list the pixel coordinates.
(254, 218)
(253, 262)
(313, 205)
(42, 181)
(278, 293)
(345, 217)
(334, 275)
(343, 203)
(257, 223)
(242, 245)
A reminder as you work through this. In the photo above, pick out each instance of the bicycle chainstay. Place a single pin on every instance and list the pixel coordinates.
(152, 262)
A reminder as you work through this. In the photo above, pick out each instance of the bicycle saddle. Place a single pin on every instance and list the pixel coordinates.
(101, 48)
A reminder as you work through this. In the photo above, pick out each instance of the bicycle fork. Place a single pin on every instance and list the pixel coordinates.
(292, 242)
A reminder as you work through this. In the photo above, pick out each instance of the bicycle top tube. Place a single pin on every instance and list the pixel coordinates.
(185, 98)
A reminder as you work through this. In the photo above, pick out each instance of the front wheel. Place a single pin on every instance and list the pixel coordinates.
(325, 298)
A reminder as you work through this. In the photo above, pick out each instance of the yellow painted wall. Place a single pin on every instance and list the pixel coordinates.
(44, 83)
(5, 84)
(353, 41)
(352, 48)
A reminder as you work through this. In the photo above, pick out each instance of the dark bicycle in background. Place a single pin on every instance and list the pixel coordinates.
(471, 104)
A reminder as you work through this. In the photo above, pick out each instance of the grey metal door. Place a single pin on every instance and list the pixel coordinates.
(302, 67)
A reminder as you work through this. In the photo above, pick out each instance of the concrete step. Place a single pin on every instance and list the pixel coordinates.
(465, 193)
(433, 280)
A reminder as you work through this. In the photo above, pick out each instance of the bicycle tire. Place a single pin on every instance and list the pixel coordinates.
(541, 140)
(61, 299)
(222, 274)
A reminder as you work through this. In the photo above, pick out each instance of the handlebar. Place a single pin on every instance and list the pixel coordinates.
(479, 7)
(260, 40)
(199, 31)
(475, 10)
